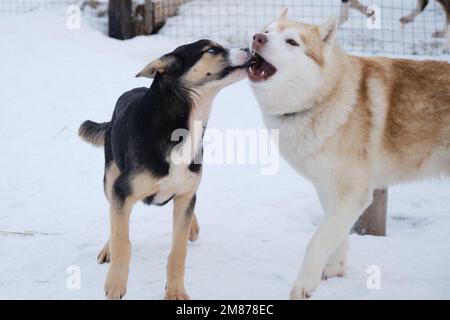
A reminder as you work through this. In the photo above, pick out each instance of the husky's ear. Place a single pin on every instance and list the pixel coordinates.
(328, 30)
(160, 65)
(283, 15)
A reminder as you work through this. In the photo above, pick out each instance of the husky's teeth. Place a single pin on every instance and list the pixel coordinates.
(263, 73)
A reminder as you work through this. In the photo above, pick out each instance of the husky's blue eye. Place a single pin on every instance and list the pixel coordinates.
(212, 50)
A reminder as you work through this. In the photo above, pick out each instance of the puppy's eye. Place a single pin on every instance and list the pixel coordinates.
(213, 50)
(266, 31)
(292, 42)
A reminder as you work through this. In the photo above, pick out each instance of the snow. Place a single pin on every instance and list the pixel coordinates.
(254, 228)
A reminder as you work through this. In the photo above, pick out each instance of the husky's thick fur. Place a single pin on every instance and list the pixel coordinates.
(349, 125)
(140, 143)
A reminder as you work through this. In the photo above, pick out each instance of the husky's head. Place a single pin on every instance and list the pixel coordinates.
(202, 64)
(289, 63)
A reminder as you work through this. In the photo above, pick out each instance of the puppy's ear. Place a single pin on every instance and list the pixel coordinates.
(160, 65)
(283, 15)
(328, 30)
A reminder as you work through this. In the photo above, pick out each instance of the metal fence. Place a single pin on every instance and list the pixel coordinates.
(233, 22)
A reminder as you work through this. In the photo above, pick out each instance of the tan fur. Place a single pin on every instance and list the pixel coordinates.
(157, 66)
(312, 42)
(176, 263)
(310, 35)
(207, 66)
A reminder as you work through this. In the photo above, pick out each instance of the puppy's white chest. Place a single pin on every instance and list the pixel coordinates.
(179, 181)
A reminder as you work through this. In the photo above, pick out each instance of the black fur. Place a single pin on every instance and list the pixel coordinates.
(423, 4)
(93, 132)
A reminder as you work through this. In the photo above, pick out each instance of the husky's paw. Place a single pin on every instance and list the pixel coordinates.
(176, 295)
(104, 256)
(303, 289)
(331, 271)
(194, 230)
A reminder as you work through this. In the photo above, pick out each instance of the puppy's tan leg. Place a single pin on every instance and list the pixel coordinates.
(183, 214)
(125, 193)
(120, 251)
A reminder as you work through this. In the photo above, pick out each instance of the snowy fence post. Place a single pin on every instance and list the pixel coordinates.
(120, 19)
(373, 220)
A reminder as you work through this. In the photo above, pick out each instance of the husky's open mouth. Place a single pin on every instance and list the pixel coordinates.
(260, 69)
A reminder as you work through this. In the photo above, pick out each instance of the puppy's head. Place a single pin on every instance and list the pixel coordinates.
(290, 56)
(202, 64)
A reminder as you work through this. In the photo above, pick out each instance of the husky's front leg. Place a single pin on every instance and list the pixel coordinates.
(337, 262)
(183, 213)
(346, 205)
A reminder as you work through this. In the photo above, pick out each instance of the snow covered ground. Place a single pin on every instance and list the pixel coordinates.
(251, 241)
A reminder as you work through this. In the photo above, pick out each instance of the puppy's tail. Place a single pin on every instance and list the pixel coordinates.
(93, 132)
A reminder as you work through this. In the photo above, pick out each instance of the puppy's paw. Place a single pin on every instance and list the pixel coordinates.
(303, 289)
(104, 256)
(331, 271)
(176, 295)
(115, 291)
(115, 285)
(194, 230)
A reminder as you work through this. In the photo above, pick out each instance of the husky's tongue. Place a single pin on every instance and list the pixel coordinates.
(260, 70)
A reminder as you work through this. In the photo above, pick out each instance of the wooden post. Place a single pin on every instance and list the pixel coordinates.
(120, 19)
(373, 220)
(149, 22)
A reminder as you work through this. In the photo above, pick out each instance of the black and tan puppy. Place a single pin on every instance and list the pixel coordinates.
(148, 158)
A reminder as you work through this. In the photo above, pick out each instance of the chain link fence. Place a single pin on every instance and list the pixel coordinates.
(233, 22)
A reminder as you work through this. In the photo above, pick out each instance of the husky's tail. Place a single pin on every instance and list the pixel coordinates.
(93, 132)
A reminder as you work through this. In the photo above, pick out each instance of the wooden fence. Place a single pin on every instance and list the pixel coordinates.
(127, 21)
